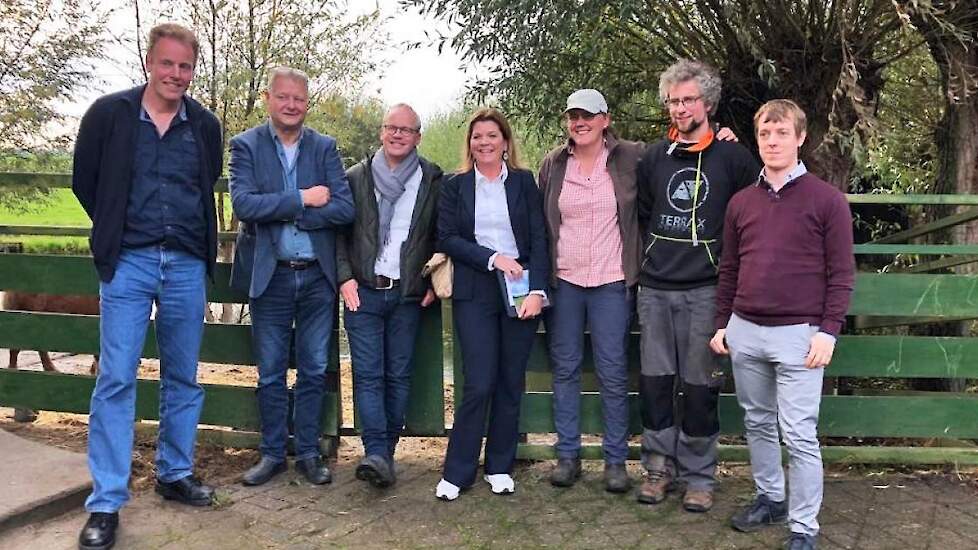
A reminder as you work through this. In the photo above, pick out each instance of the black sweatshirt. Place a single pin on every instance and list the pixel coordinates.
(681, 213)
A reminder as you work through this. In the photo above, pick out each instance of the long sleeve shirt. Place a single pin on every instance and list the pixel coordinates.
(787, 256)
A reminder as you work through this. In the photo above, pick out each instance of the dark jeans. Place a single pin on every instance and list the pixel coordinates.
(305, 298)
(606, 310)
(495, 349)
(382, 332)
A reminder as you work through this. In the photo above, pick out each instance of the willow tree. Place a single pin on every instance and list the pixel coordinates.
(829, 55)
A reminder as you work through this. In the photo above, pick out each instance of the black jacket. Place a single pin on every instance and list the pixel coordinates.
(456, 230)
(357, 247)
(672, 200)
(102, 172)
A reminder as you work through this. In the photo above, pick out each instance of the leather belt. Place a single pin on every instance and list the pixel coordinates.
(297, 265)
(385, 283)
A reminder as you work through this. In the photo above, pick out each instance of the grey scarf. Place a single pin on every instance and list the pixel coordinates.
(390, 184)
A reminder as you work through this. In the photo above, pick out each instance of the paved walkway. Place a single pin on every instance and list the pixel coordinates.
(862, 511)
(38, 481)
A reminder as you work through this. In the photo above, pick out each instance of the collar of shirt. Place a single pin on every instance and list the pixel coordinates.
(798, 171)
(278, 142)
(181, 113)
(571, 147)
(481, 179)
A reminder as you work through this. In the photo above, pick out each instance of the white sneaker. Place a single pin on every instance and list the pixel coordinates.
(446, 490)
(501, 484)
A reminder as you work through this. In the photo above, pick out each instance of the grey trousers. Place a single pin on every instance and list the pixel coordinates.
(775, 389)
(680, 383)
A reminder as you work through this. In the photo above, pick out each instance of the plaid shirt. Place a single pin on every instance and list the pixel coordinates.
(589, 250)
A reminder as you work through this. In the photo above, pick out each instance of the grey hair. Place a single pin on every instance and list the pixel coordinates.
(408, 108)
(275, 73)
(705, 76)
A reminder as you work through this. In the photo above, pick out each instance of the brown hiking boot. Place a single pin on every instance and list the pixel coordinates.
(653, 490)
(698, 500)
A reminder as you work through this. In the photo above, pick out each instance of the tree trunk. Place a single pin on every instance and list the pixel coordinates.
(956, 137)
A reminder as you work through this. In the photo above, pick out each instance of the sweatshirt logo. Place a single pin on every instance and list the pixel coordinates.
(682, 189)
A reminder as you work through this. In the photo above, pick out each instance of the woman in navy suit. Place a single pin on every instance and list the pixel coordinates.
(490, 219)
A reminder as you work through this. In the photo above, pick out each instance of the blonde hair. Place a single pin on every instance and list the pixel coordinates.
(489, 114)
(777, 110)
(177, 32)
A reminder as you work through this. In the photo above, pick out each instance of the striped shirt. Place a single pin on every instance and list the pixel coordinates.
(589, 249)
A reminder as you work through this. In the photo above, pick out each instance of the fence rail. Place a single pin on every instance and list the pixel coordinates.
(880, 300)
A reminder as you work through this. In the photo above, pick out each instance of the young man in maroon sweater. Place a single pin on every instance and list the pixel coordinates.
(786, 276)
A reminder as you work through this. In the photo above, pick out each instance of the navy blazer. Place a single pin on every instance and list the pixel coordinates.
(456, 230)
(259, 198)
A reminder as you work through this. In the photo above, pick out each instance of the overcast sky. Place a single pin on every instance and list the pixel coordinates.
(429, 81)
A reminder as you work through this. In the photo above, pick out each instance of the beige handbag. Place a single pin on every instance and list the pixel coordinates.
(439, 268)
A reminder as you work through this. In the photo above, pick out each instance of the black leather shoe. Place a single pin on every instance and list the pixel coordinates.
(566, 472)
(376, 470)
(266, 469)
(314, 470)
(759, 514)
(800, 541)
(99, 531)
(188, 490)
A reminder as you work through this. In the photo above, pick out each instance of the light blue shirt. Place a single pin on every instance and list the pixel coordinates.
(798, 171)
(293, 243)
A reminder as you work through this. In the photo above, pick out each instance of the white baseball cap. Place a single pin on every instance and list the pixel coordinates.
(589, 100)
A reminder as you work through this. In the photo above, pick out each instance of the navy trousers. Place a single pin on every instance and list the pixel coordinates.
(495, 350)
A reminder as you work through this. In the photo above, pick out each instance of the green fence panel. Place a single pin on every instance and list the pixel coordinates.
(80, 334)
(426, 409)
(915, 295)
(938, 415)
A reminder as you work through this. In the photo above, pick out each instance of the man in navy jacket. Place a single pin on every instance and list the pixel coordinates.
(145, 165)
(290, 192)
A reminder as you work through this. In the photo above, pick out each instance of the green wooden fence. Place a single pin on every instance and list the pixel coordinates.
(891, 299)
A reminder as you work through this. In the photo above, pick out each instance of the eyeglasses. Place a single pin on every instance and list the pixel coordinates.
(395, 130)
(579, 115)
(674, 102)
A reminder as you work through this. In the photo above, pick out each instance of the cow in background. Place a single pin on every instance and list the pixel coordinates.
(50, 303)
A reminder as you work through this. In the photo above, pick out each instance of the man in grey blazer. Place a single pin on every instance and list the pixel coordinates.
(289, 190)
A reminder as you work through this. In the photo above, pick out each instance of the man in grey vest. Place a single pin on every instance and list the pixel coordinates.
(379, 261)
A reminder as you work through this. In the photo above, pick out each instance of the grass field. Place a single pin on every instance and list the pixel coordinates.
(61, 208)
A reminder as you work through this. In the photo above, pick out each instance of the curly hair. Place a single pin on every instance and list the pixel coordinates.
(705, 76)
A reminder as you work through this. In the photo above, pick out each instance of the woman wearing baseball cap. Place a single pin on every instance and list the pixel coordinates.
(589, 196)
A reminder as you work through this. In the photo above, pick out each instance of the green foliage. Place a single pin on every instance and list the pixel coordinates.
(241, 41)
(21, 199)
(60, 208)
(354, 123)
(828, 55)
(443, 137)
(46, 54)
(902, 156)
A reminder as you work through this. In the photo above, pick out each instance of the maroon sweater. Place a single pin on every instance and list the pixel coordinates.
(787, 256)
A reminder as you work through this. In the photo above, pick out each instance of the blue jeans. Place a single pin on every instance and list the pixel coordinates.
(382, 332)
(607, 312)
(175, 281)
(306, 299)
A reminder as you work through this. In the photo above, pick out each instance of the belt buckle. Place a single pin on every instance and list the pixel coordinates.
(390, 283)
(298, 265)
